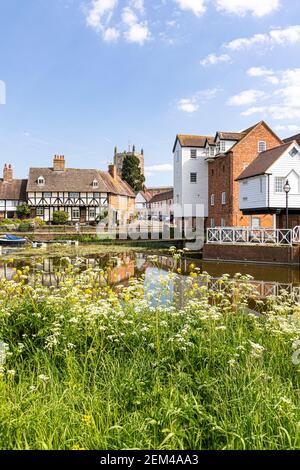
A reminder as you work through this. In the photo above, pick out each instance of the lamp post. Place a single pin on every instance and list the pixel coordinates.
(287, 189)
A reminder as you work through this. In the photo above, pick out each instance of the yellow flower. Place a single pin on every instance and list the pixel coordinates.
(193, 274)
(77, 447)
(87, 420)
(179, 270)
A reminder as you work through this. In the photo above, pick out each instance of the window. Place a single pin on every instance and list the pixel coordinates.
(262, 146)
(193, 153)
(261, 185)
(95, 184)
(293, 152)
(39, 211)
(212, 200)
(75, 213)
(92, 213)
(41, 180)
(212, 223)
(223, 198)
(245, 199)
(193, 177)
(96, 195)
(212, 151)
(223, 146)
(223, 223)
(255, 223)
(47, 195)
(74, 195)
(218, 148)
(279, 184)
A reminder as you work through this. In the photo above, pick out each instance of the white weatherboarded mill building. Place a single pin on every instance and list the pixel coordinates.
(262, 184)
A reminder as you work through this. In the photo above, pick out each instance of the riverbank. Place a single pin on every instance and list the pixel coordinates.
(91, 368)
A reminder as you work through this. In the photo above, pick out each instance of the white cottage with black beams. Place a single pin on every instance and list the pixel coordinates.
(85, 194)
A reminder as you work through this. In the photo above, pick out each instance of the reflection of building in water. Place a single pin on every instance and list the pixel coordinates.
(123, 270)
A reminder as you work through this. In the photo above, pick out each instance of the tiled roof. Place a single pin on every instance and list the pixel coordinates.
(294, 137)
(262, 163)
(146, 195)
(192, 140)
(77, 180)
(162, 196)
(14, 190)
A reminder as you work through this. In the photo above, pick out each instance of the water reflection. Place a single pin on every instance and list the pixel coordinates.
(268, 280)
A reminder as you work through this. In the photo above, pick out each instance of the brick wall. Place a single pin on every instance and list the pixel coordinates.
(223, 173)
(252, 253)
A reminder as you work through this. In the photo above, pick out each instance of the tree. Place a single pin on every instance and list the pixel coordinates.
(23, 211)
(60, 217)
(132, 174)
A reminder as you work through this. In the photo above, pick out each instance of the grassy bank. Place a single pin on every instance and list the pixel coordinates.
(89, 368)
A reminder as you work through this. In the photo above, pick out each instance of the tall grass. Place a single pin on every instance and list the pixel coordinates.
(92, 368)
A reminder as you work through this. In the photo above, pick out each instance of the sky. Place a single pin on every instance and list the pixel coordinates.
(79, 77)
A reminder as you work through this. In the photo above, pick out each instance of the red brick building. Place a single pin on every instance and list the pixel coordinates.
(234, 152)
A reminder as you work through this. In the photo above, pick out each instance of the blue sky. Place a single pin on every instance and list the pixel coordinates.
(82, 76)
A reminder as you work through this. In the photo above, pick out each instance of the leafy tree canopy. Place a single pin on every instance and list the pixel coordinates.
(132, 174)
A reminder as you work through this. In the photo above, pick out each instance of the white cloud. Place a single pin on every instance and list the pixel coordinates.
(100, 11)
(242, 7)
(165, 167)
(196, 6)
(259, 72)
(288, 128)
(213, 59)
(276, 37)
(246, 98)
(188, 105)
(111, 35)
(192, 104)
(138, 33)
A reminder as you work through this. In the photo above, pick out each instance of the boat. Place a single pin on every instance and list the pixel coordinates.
(12, 240)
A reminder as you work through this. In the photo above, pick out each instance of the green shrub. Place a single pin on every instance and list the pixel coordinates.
(38, 222)
(23, 211)
(60, 218)
(25, 227)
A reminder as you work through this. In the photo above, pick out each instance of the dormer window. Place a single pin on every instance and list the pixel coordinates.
(41, 181)
(95, 184)
(222, 146)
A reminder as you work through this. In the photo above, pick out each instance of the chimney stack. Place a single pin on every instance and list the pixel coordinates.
(112, 169)
(59, 163)
(7, 173)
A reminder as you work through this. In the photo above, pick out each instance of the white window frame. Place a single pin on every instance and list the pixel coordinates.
(212, 223)
(222, 146)
(75, 210)
(212, 200)
(224, 198)
(40, 212)
(260, 143)
(193, 153)
(92, 212)
(41, 181)
(223, 223)
(279, 184)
